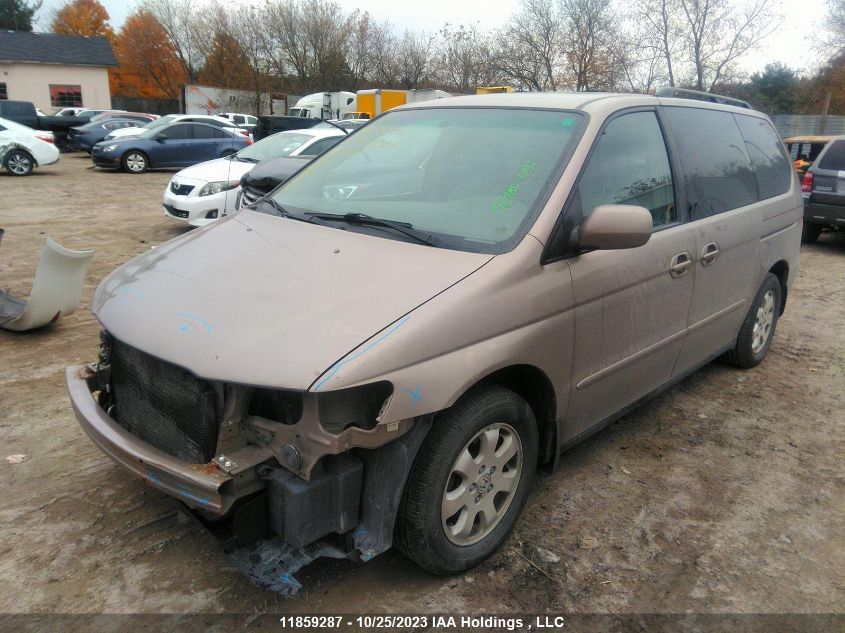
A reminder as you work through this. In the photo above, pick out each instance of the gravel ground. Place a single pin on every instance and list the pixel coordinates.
(723, 495)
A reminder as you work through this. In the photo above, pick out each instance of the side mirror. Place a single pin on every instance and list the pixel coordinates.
(615, 226)
(161, 136)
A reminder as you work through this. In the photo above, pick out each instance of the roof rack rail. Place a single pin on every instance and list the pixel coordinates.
(683, 93)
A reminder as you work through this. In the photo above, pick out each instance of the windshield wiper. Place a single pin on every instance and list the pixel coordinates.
(245, 159)
(405, 228)
(282, 211)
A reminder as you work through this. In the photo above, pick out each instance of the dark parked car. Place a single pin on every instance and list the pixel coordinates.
(175, 145)
(24, 112)
(268, 125)
(823, 188)
(267, 175)
(84, 137)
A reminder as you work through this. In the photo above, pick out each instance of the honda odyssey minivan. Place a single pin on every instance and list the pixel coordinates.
(386, 348)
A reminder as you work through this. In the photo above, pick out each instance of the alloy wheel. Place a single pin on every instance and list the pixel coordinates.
(481, 484)
(19, 164)
(763, 324)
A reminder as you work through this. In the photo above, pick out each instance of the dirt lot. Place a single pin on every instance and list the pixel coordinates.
(726, 494)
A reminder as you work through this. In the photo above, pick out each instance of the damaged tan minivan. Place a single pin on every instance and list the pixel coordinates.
(387, 347)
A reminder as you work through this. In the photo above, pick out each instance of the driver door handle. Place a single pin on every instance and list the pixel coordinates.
(680, 264)
(709, 254)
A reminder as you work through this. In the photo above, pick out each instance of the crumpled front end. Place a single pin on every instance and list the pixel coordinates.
(289, 475)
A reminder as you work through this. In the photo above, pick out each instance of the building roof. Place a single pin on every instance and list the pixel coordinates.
(50, 48)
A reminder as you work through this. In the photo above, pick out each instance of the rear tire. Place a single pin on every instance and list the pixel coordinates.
(19, 162)
(135, 162)
(758, 329)
(469, 481)
(810, 233)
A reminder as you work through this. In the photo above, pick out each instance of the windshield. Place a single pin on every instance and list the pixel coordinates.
(472, 177)
(281, 144)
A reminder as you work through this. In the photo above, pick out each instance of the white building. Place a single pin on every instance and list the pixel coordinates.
(55, 71)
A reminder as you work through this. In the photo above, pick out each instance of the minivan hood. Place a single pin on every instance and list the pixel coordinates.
(217, 170)
(262, 300)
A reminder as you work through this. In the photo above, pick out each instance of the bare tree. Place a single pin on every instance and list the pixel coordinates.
(529, 49)
(178, 18)
(718, 33)
(464, 59)
(832, 42)
(358, 54)
(658, 32)
(589, 41)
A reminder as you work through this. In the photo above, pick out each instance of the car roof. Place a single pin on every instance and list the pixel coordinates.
(808, 139)
(600, 103)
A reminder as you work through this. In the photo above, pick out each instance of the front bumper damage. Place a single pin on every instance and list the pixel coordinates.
(339, 499)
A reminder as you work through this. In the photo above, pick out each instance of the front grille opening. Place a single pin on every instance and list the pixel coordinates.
(277, 405)
(164, 405)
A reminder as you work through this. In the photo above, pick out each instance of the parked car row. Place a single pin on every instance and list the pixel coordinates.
(205, 192)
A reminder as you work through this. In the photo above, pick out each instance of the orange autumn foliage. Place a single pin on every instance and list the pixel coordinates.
(83, 17)
(147, 64)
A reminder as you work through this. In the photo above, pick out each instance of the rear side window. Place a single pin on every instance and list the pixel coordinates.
(178, 132)
(771, 166)
(717, 172)
(630, 166)
(206, 132)
(834, 157)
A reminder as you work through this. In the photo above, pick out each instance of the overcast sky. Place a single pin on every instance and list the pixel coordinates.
(791, 44)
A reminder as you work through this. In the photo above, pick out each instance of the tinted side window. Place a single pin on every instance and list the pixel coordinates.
(178, 132)
(630, 166)
(206, 132)
(321, 146)
(717, 173)
(834, 157)
(771, 166)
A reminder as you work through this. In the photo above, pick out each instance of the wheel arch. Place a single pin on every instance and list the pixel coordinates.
(781, 270)
(532, 385)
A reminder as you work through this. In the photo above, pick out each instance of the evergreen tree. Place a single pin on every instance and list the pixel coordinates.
(16, 15)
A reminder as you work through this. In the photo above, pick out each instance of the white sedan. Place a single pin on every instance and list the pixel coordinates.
(203, 193)
(22, 148)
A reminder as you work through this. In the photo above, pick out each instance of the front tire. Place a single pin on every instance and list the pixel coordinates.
(469, 481)
(758, 329)
(135, 162)
(19, 163)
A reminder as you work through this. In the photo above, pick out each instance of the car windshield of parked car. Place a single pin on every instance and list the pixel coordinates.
(472, 178)
(275, 146)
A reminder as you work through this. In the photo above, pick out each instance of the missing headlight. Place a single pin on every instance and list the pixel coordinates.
(357, 406)
(277, 405)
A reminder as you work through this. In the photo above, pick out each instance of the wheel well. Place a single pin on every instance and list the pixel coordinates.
(781, 271)
(536, 389)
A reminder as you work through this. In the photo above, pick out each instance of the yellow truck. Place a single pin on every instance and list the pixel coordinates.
(375, 101)
(487, 90)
